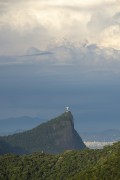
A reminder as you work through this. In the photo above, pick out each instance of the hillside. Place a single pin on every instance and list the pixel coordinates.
(71, 165)
(54, 136)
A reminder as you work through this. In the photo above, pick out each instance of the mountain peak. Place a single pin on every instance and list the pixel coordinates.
(54, 136)
(64, 117)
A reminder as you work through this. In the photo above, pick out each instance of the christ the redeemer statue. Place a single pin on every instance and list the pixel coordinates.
(66, 109)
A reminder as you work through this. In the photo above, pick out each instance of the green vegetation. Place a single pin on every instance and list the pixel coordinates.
(71, 165)
(54, 136)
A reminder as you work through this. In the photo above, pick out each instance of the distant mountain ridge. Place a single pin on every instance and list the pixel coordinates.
(13, 125)
(54, 136)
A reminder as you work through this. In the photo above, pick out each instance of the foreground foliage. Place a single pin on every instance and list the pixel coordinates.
(72, 165)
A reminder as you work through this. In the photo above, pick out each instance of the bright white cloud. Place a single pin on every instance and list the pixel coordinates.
(111, 37)
(56, 19)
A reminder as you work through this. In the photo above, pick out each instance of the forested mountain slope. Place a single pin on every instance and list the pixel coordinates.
(71, 165)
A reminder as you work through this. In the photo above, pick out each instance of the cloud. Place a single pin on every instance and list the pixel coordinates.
(50, 20)
(105, 26)
(13, 42)
(110, 37)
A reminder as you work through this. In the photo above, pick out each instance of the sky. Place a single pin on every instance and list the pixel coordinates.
(57, 53)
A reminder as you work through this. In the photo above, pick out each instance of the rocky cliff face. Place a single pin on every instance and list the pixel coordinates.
(54, 136)
(66, 136)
